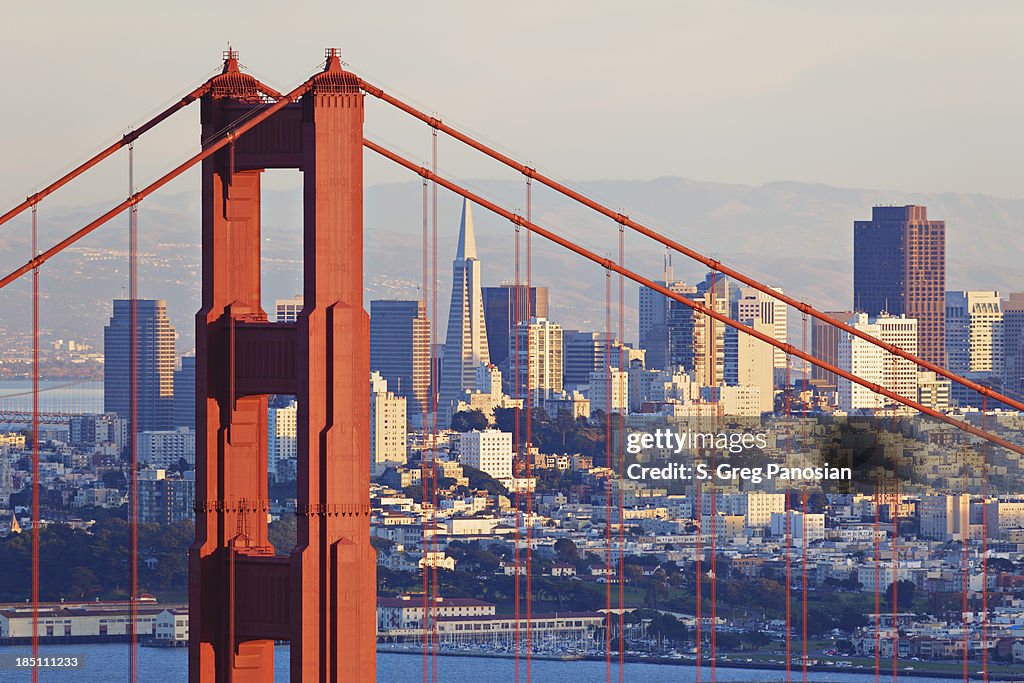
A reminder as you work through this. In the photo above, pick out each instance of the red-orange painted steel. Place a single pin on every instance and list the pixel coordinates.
(219, 143)
(699, 307)
(713, 264)
(323, 597)
(126, 139)
(36, 526)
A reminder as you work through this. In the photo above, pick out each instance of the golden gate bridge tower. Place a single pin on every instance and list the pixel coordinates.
(322, 598)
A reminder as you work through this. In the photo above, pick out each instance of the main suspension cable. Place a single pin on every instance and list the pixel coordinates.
(221, 142)
(699, 307)
(126, 140)
(711, 263)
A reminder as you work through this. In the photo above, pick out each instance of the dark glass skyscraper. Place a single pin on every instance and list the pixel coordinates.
(154, 364)
(899, 267)
(660, 320)
(400, 349)
(500, 316)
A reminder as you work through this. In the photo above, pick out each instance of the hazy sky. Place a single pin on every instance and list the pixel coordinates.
(919, 96)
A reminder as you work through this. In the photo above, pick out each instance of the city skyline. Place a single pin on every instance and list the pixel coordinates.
(348, 465)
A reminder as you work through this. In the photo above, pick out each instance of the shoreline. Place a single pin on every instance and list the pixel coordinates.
(760, 666)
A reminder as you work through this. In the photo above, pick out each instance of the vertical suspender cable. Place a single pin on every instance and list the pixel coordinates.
(964, 512)
(894, 512)
(984, 543)
(609, 402)
(711, 362)
(878, 579)
(803, 525)
(423, 299)
(433, 460)
(517, 436)
(528, 311)
(428, 406)
(36, 526)
(622, 461)
(698, 566)
(789, 529)
(133, 294)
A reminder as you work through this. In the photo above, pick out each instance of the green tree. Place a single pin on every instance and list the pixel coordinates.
(566, 550)
(83, 583)
(904, 592)
(282, 533)
(482, 480)
(468, 420)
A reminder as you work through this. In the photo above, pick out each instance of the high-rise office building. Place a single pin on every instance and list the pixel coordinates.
(465, 347)
(720, 294)
(933, 391)
(660, 319)
(693, 340)
(489, 451)
(166, 499)
(154, 364)
(400, 349)
(756, 306)
(1013, 342)
(287, 310)
(185, 393)
(584, 352)
(749, 361)
(282, 440)
(537, 344)
(974, 332)
(944, 517)
(166, 449)
(500, 314)
(609, 388)
(899, 267)
(825, 346)
(876, 365)
(387, 426)
(974, 340)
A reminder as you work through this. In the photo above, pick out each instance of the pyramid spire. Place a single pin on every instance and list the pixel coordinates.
(467, 234)
(465, 347)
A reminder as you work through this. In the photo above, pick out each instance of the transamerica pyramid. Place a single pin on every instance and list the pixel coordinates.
(465, 346)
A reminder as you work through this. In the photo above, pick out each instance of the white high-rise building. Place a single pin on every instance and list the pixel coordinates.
(287, 310)
(750, 362)
(755, 305)
(609, 382)
(164, 448)
(933, 391)
(535, 351)
(387, 427)
(761, 505)
(489, 451)
(488, 381)
(465, 346)
(813, 523)
(974, 332)
(876, 365)
(944, 517)
(282, 441)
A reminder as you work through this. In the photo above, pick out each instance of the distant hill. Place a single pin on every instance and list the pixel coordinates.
(794, 234)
